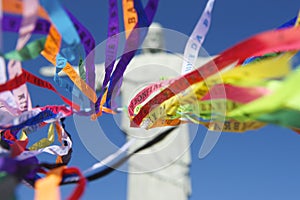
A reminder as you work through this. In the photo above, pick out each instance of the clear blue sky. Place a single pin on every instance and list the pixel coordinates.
(261, 164)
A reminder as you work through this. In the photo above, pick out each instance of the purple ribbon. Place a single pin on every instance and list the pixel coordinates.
(12, 23)
(136, 37)
(24, 169)
(111, 47)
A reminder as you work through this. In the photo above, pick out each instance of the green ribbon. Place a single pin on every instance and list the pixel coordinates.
(81, 69)
(284, 117)
(28, 52)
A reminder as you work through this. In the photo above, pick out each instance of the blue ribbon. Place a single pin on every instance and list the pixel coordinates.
(64, 26)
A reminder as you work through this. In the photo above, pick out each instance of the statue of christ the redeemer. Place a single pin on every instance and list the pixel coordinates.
(162, 171)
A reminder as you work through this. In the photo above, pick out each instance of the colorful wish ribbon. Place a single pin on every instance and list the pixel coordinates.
(281, 40)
